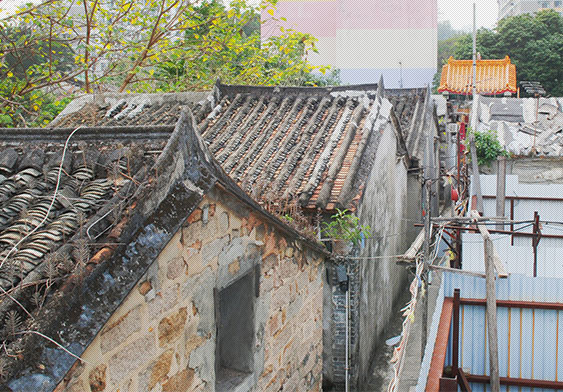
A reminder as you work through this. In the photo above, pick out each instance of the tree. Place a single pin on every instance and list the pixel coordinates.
(143, 45)
(534, 44)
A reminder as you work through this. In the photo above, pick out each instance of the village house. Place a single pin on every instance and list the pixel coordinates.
(173, 260)
(529, 129)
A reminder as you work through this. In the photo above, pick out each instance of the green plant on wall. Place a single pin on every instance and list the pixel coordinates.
(345, 226)
(488, 147)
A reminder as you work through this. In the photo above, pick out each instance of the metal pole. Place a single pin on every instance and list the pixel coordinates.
(474, 83)
(427, 239)
(535, 241)
(501, 188)
(455, 334)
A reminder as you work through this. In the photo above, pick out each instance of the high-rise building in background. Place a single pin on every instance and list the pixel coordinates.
(518, 7)
(368, 38)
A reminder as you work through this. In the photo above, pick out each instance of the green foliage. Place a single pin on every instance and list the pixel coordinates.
(345, 226)
(534, 44)
(488, 147)
(144, 46)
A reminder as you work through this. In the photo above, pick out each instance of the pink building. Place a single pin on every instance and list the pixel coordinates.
(368, 38)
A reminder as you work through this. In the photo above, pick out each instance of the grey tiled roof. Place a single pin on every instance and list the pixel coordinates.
(525, 126)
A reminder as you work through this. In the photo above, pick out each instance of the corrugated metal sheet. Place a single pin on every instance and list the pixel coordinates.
(493, 77)
(519, 255)
(530, 340)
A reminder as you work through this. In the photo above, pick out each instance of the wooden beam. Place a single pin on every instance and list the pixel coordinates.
(440, 348)
(518, 382)
(497, 262)
(410, 254)
(456, 271)
(491, 311)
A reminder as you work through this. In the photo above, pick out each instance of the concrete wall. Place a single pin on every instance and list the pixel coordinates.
(163, 336)
(383, 208)
(374, 284)
(540, 170)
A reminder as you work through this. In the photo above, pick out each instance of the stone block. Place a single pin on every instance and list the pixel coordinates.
(156, 372)
(224, 222)
(182, 381)
(280, 297)
(234, 267)
(273, 325)
(118, 331)
(269, 262)
(175, 268)
(163, 301)
(131, 357)
(214, 248)
(97, 378)
(288, 269)
(170, 328)
(193, 342)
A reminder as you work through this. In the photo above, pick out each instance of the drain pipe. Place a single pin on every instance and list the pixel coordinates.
(347, 364)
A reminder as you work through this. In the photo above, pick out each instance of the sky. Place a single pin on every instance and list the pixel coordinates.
(460, 13)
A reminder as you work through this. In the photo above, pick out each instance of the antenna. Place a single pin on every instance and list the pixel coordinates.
(401, 74)
(474, 84)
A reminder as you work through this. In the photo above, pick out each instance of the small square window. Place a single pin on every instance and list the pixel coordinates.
(544, 4)
(557, 3)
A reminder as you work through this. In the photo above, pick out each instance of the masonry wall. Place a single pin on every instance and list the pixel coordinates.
(163, 336)
(384, 209)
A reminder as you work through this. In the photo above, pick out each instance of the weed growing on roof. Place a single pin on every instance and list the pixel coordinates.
(488, 147)
(345, 226)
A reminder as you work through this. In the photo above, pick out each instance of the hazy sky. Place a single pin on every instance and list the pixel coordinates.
(460, 13)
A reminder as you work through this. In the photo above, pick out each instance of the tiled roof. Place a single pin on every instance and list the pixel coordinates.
(122, 192)
(281, 145)
(87, 181)
(494, 77)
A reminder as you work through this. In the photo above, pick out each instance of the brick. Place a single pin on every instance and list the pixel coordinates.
(97, 378)
(164, 301)
(181, 381)
(195, 216)
(170, 328)
(145, 287)
(131, 357)
(117, 332)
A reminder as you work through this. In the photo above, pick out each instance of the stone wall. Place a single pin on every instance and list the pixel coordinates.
(162, 337)
(374, 283)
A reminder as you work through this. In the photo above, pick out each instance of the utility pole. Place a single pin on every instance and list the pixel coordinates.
(426, 269)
